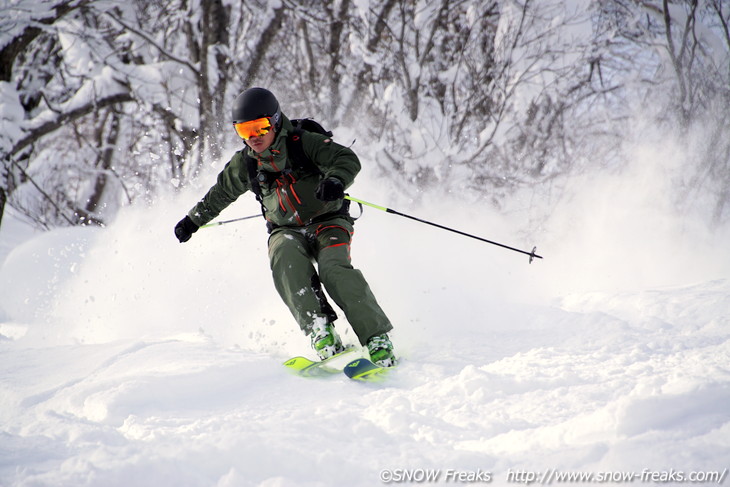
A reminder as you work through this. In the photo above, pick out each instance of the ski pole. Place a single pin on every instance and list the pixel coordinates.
(215, 224)
(532, 254)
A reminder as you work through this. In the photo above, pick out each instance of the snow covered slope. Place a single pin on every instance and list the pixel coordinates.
(127, 359)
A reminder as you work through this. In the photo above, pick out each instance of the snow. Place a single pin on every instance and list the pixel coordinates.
(128, 359)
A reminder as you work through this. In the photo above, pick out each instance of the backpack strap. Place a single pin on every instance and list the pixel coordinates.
(253, 175)
(295, 151)
(252, 167)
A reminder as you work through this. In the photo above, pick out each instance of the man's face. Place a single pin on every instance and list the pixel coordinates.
(259, 134)
(261, 142)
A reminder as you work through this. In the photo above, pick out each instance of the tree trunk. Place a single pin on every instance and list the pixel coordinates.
(365, 74)
(3, 199)
(335, 49)
(104, 165)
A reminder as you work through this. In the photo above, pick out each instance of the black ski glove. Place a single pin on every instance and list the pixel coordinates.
(185, 229)
(330, 189)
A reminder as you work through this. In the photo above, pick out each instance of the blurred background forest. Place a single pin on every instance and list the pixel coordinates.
(105, 104)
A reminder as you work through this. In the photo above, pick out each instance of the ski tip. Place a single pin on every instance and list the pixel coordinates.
(296, 360)
(296, 364)
(363, 369)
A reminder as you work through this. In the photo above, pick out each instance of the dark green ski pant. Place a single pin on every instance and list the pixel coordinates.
(293, 253)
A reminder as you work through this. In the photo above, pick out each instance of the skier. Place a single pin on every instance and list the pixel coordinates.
(308, 221)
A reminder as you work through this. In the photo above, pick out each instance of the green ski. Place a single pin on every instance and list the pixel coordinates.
(305, 367)
(364, 370)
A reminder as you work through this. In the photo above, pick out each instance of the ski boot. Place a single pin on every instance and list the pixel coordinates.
(381, 350)
(325, 341)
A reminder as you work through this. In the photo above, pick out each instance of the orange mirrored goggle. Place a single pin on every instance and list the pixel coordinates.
(253, 128)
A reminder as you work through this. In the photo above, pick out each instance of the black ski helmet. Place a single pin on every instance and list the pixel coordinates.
(257, 103)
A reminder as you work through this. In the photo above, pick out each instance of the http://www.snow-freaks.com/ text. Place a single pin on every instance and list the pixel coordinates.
(550, 476)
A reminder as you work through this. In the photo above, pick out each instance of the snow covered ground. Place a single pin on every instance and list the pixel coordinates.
(127, 359)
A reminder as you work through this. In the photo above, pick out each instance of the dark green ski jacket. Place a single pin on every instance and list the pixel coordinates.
(288, 198)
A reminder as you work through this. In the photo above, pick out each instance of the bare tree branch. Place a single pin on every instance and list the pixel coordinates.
(154, 44)
(66, 117)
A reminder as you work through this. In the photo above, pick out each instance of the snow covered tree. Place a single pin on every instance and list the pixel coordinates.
(673, 59)
(492, 91)
(47, 85)
(108, 103)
